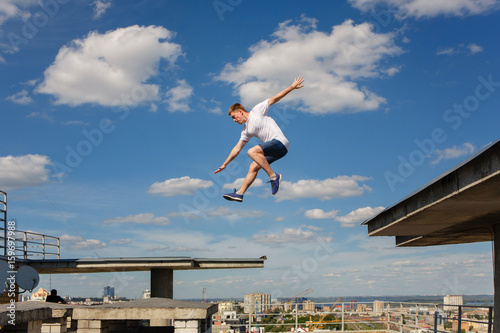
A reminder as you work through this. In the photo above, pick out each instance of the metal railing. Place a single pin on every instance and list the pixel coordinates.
(24, 244)
(375, 316)
(464, 323)
(3, 219)
(32, 245)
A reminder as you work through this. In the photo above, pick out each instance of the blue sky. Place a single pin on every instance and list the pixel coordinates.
(114, 118)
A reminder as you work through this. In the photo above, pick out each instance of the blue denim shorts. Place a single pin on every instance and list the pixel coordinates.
(273, 150)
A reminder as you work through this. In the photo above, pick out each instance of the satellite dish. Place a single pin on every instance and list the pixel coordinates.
(4, 268)
(27, 278)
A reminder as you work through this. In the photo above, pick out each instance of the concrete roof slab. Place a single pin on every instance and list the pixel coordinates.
(102, 265)
(458, 207)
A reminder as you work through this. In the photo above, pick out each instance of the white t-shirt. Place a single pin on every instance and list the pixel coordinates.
(260, 125)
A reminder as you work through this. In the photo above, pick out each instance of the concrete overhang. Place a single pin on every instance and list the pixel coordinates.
(102, 265)
(460, 206)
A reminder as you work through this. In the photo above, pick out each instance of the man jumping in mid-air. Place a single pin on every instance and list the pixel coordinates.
(273, 147)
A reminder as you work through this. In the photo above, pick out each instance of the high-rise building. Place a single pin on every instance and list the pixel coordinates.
(450, 300)
(109, 291)
(378, 306)
(257, 302)
(308, 305)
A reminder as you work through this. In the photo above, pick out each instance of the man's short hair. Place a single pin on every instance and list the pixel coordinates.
(236, 107)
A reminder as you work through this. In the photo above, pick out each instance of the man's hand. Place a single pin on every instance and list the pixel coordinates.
(222, 167)
(297, 83)
(232, 155)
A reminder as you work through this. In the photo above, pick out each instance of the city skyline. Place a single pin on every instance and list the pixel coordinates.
(115, 118)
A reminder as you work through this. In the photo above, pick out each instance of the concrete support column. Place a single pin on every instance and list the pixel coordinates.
(162, 283)
(34, 326)
(496, 279)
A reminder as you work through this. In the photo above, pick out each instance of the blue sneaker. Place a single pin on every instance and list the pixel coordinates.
(233, 196)
(275, 184)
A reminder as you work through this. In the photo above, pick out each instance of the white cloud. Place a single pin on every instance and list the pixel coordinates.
(145, 218)
(446, 51)
(359, 215)
(31, 83)
(41, 115)
(474, 48)
(238, 182)
(153, 107)
(179, 186)
(21, 98)
(330, 62)
(338, 187)
(74, 122)
(329, 275)
(24, 171)
(470, 49)
(234, 214)
(430, 8)
(110, 69)
(407, 263)
(177, 98)
(289, 236)
(100, 7)
(120, 241)
(320, 214)
(229, 214)
(15, 8)
(183, 249)
(191, 215)
(454, 152)
(79, 243)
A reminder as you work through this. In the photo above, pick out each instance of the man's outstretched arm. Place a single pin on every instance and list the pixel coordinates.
(232, 155)
(297, 84)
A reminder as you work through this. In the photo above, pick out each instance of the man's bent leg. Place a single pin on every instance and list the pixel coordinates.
(249, 179)
(269, 152)
(257, 154)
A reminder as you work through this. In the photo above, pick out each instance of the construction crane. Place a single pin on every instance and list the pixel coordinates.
(320, 322)
(293, 298)
(289, 301)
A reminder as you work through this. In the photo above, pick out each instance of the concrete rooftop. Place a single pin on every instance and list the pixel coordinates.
(460, 206)
(144, 309)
